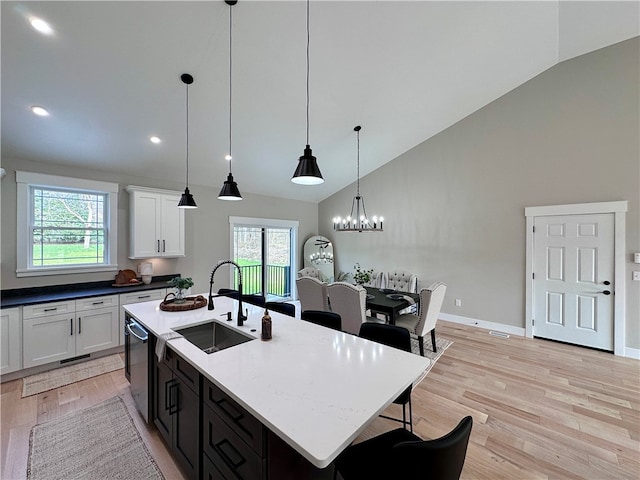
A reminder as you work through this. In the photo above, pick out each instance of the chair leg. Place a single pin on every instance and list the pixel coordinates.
(410, 416)
(421, 345)
(433, 339)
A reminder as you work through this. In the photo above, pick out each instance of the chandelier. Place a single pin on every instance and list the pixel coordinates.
(357, 220)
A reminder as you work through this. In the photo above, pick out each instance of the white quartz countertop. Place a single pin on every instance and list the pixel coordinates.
(314, 387)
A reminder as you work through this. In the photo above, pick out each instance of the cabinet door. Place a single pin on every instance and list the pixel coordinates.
(145, 225)
(11, 340)
(162, 384)
(48, 339)
(97, 330)
(186, 433)
(172, 219)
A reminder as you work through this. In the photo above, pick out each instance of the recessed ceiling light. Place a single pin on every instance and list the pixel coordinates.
(40, 25)
(155, 139)
(40, 111)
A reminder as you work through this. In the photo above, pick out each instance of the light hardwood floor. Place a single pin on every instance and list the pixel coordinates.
(541, 410)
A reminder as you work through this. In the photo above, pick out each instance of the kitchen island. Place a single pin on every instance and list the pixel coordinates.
(315, 388)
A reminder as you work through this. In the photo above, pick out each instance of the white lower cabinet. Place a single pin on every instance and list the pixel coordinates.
(10, 340)
(60, 330)
(138, 297)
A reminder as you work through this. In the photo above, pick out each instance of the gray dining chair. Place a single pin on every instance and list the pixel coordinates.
(312, 294)
(349, 301)
(431, 299)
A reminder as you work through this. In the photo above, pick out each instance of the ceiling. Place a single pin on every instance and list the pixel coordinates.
(110, 77)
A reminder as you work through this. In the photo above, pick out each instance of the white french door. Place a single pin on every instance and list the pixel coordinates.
(573, 279)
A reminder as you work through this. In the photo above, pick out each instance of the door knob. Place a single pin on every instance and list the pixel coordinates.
(607, 282)
(607, 292)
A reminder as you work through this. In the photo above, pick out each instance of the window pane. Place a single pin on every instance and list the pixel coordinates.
(279, 261)
(68, 228)
(247, 247)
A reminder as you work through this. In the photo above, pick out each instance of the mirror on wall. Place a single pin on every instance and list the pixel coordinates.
(318, 253)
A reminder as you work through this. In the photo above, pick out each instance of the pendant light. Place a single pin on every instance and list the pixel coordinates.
(307, 172)
(230, 189)
(357, 220)
(186, 200)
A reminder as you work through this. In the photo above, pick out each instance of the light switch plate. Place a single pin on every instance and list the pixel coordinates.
(636, 276)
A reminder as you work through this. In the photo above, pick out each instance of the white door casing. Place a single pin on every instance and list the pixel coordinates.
(572, 279)
(573, 249)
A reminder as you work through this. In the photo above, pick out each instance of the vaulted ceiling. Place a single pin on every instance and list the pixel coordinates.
(109, 75)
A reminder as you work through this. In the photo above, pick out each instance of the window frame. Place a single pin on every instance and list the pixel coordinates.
(292, 225)
(26, 181)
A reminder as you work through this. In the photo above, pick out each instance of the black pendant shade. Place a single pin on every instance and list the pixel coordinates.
(229, 190)
(186, 200)
(307, 172)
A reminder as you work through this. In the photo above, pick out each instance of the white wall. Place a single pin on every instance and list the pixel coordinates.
(207, 227)
(454, 205)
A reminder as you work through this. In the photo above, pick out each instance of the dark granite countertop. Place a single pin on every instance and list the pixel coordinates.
(56, 293)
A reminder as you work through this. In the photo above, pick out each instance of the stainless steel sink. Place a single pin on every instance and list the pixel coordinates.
(213, 336)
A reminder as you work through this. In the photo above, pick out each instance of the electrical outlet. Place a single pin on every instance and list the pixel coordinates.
(636, 276)
(458, 302)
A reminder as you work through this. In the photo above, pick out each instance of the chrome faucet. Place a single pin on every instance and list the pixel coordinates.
(241, 316)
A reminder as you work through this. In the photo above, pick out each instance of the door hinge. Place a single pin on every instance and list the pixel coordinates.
(533, 322)
(533, 276)
(534, 229)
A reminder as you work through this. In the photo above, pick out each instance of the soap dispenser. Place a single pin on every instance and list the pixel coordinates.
(266, 325)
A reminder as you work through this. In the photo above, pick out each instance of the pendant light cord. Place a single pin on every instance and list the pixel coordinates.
(230, 83)
(308, 37)
(358, 166)
(187, 182)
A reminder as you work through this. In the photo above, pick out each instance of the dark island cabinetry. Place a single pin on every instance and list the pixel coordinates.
(176, 406)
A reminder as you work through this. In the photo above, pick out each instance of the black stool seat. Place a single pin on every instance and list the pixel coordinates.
(400, 454)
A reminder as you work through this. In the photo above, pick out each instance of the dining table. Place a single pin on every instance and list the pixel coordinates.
(390, 302)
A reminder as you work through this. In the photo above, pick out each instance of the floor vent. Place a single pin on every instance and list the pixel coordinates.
(498, 334)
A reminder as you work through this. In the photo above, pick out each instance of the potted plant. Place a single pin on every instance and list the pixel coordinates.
(180, 283)
(362, 276)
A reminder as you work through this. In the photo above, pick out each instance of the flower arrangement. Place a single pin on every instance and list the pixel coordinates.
(181, 283)
(361, 276)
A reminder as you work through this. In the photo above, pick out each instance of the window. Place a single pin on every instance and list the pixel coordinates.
(65, 225)
(264, 249)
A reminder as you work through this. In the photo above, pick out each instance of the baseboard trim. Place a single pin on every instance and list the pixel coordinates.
(629, 352)
(499, 327)
(632, 353)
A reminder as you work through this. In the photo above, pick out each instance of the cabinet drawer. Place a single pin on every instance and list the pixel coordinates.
(242, 422)
(145, 296)
(87, 304)
(47, 309)
(210, 471)
(228, 452)
(182, 369)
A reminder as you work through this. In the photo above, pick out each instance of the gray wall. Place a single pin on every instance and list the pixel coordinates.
(454, 205)
(207, 227)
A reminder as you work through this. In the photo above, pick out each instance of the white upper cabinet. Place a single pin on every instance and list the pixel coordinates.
(156, 224)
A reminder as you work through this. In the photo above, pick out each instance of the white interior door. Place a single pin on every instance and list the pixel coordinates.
(573, 269)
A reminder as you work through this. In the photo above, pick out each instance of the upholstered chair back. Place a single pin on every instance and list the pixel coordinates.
(430, 305)
(349, 301)
(309, 272)
(312, 294)
(402, 281)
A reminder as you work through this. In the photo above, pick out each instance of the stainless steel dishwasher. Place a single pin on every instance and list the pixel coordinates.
(137, 353)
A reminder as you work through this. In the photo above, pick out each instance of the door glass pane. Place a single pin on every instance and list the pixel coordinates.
(247, 248)
(278, 262)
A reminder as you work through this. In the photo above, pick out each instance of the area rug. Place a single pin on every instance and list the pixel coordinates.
(41, 382)
(441, 345)
(99, 442)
